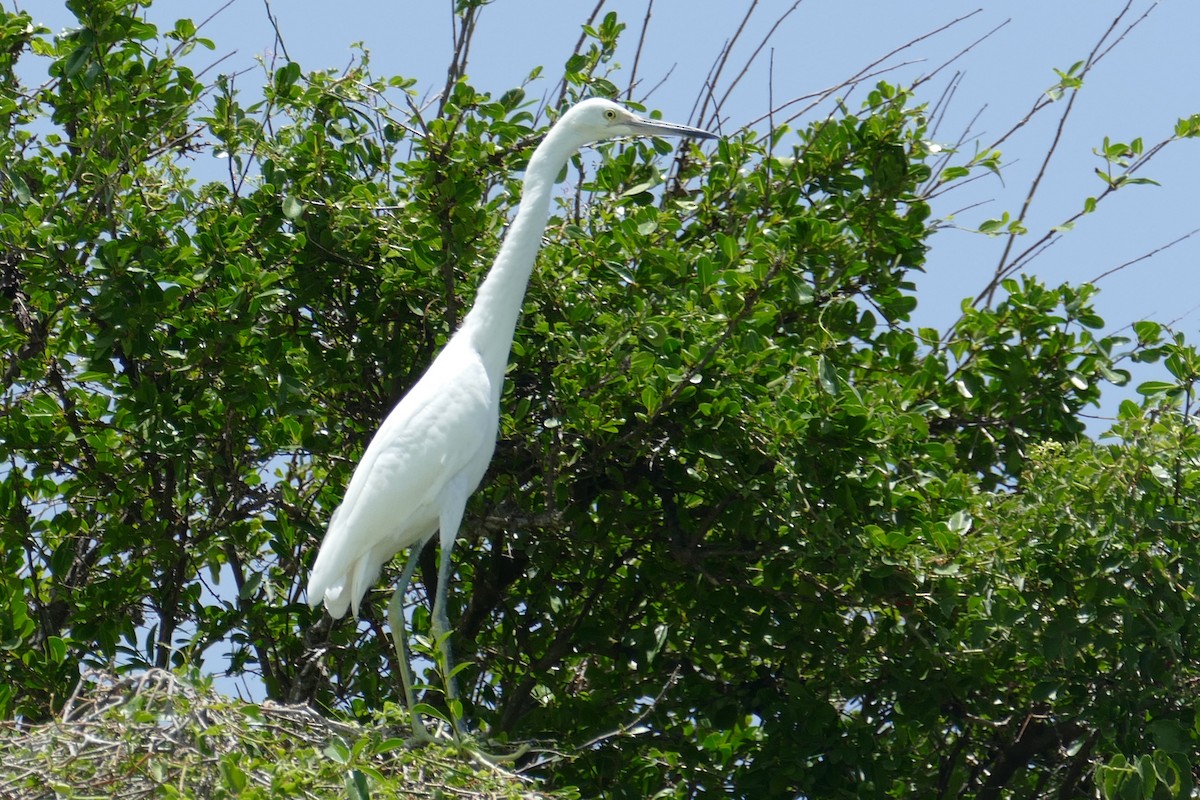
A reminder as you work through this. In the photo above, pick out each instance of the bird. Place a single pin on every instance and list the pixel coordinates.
(433, 448)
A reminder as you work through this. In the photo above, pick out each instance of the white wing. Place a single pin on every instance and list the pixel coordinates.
(444, 428)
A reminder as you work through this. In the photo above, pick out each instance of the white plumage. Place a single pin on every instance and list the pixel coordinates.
(434, 447)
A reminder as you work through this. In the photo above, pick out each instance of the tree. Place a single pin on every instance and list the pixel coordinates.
(747, 530)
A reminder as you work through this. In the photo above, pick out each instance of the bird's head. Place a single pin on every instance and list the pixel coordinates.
(597, 119)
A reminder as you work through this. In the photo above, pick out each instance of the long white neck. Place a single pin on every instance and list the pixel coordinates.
(489, 325)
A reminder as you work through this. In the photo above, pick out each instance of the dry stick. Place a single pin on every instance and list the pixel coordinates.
(820, 96)
(942, 106)
(228, 55)
(771, 93)
(468, 37)
(1004, 268)
(938, 190)
(966, 132)
(913, 42)
(637, 56)
(770, 124)
(706, 88)
(1127, 30)
(1175, 321)
(934, 186)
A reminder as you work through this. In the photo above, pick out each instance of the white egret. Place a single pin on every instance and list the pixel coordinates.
(434, 447)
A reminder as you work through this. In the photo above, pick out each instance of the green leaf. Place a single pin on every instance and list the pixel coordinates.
(640, 188)
(184, 29)
(1148, 332)
(57, 649)
(650, 399)
(828, 376)
(79, 57)
(960, 522)
(250, 587)
(1150, 388)
(338, 752)
(19, 187)
(293, 209)
(706, 271)
(232, 775)
(1188, 127)
(356, 785)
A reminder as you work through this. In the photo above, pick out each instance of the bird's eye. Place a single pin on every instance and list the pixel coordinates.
(610, 114)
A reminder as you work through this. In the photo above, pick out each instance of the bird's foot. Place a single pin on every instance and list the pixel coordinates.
(450, 730)
(493, 761)
(421, 737)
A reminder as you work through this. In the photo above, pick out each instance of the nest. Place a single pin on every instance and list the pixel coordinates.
(157, 734)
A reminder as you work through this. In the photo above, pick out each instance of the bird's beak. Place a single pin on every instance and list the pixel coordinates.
(653, 127)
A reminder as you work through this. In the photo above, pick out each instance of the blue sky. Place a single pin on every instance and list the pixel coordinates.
(1140, 89)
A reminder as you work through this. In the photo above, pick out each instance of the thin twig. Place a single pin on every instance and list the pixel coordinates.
(871, 70)
(462, 33)
(754, 56)
(715, 73)
(962, 52)
(176, 50)
(1045, 100)
(637, 56)
(1145, 256)
(275, 25)
(562, 83)
(1005, 267)
(656, 86)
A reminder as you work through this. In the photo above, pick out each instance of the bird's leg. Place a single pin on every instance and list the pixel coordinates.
(400, 640)
(441, 621)
(441, 630)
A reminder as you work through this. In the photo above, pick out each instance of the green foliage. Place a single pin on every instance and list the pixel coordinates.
(1158, 776)
(746, 531)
